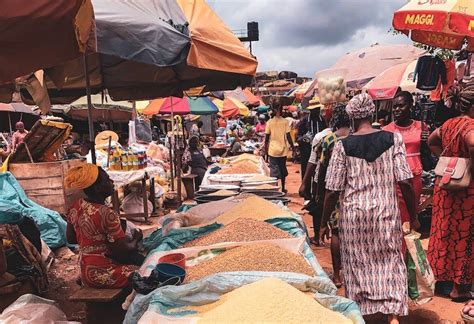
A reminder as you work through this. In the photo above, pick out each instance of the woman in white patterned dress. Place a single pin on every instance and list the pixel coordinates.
(363, 172)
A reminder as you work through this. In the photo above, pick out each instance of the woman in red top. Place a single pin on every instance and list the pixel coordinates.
(97, 230)
(412, 134)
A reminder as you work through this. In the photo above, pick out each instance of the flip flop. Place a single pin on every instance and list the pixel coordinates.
(461, 299)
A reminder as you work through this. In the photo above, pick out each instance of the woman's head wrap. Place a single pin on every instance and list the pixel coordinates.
(340, 117)
(360, 107)
(462, 97)
(20, 124)
(81, 177)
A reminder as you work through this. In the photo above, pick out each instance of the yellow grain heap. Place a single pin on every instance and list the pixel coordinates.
(242, 167)
(223, 192)
(265, 187)
(252, 207)
(255, 257)
(241, 230)
(270, 300)
(246, 156)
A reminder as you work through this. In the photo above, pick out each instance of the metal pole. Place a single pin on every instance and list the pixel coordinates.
(10, 123)
(89, 110)
(172, 146)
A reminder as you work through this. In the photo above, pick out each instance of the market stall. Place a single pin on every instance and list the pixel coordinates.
(226, 247)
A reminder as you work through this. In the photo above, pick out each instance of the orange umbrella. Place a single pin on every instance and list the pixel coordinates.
(445, 24)
(251, 98)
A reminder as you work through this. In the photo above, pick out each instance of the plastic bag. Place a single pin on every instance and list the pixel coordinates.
(133, 203)
(33, 309)
(331, 85)
(421, 280)
(143, 130)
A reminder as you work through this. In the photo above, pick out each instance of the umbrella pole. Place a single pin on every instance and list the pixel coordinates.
(89, 110)
(10, 123)
(172, 146)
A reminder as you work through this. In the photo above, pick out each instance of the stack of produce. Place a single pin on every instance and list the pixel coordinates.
(259, 178)
(223, 192)
(241, 167)
(253, 207)
(256, 257)
(246, 156)
(241, 230)
(269, 300)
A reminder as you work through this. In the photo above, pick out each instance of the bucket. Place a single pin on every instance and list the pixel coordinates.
(170, 274)
(178, 259)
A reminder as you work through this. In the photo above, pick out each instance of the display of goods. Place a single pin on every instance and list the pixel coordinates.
(242, 167)
(241, 230)
(259, 178)
(253, 207)
(270, 300)
(265, 187)
(255, 257)
(246, 156)
(331, 86)
(223, 192)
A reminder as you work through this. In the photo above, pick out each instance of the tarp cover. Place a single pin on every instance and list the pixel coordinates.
(210, 288)
(14, 205)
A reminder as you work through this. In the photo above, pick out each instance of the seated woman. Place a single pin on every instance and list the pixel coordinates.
(194, 158)
(97, 229)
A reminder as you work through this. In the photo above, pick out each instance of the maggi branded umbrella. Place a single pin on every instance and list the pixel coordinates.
(441, 23)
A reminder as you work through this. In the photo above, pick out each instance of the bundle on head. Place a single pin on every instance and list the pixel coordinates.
(462, 96)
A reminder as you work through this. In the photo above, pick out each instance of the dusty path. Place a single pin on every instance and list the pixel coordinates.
(439, 310)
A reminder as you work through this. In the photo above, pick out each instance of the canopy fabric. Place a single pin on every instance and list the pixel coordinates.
(386, 85)
(17, 107)
(171, 46)
(252, 99)
(300, 90)
(228, 110)
(181, 106)
(232, 103)
(445, 24)
(42, 33)
(365, 64)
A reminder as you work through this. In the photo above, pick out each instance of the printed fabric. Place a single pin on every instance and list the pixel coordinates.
(95, 226)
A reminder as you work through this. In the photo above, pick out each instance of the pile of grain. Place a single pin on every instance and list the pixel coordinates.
(259, 178)
(270, 300)
(246, 156)
(252, 207)
(256, 257)
(223, 192)
(241, 230)
(242, 167)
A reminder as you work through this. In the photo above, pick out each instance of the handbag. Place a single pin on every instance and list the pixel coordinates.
(454, 172)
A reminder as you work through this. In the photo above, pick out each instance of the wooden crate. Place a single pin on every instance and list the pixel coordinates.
(44, 183)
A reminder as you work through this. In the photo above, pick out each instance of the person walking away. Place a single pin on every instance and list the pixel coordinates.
(98, 231)
(194, 158)
(340, 128)
(412, 135)
(308, 127)
(19, 135)
(277, 139)
(362, 175)
(310, 179)
(451, 246)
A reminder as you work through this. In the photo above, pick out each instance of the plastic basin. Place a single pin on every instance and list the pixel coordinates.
(178, 259)
(170, 274)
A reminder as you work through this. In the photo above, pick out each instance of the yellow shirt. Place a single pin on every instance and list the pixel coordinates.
(277, 128)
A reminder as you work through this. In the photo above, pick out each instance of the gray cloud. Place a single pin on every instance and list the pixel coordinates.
(307, 35)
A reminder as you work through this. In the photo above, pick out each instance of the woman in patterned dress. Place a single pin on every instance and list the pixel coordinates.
(450, 250)
(97, 230)
(362, 174)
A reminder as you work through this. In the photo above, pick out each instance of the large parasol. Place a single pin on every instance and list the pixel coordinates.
(444, 24)
(181, 106)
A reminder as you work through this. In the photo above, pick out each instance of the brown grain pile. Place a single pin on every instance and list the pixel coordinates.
(223, 192)
(255, 257)
(242, 167)
(241, 230)
(265, 187)
(252, 207)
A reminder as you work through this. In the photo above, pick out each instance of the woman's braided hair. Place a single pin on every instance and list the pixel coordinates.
(462, 96)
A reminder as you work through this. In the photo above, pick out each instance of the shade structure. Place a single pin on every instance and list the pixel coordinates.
(171, 46)
(181, 106)
(367, 63)
(231, 103)
(386, 85)
(300, 90)
(227, 111)
(18, 107)
(445, 24)
(252, 99)
(42, 33)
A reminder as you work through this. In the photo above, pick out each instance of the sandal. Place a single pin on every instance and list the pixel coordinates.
(461, 299)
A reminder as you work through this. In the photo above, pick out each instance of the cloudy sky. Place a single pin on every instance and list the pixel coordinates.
(305, 36)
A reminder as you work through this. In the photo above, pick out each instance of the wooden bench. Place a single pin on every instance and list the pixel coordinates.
(102, 305)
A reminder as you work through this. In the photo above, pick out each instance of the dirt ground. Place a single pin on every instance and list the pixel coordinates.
(438, 310)
(64, 272)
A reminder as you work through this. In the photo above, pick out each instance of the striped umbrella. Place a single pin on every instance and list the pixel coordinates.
(181, 106)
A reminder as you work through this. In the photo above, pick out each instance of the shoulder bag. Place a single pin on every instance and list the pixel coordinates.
(454, 172)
